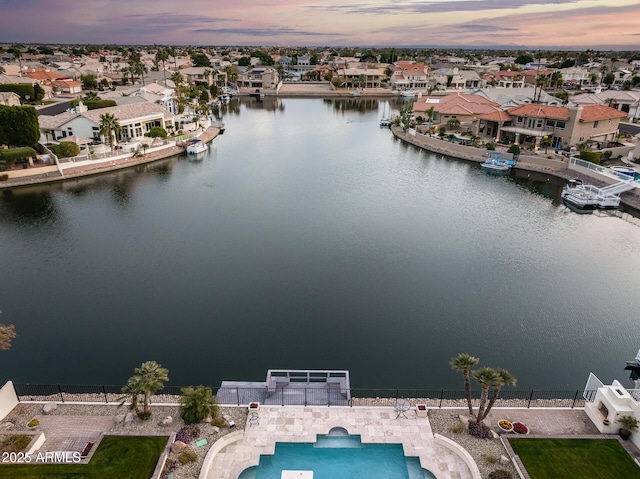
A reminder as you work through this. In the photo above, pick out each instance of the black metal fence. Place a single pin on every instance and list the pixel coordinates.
(312, 396)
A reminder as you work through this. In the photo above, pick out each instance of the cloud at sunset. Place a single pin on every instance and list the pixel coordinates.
(534, 23)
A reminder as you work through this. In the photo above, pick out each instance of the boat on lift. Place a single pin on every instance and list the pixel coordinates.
(196, 146)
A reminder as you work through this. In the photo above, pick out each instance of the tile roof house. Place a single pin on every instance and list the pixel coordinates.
(505, 79)
(136, 119)
(456, 79)
(458, 106)
(410, 76)
(625, 101)
(561, 126)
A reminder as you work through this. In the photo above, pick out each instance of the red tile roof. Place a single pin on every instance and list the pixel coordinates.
(541, 111)
(600, 112)
(499, 116)
(457, 104)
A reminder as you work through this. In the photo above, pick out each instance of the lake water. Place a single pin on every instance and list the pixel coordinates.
(308, 237)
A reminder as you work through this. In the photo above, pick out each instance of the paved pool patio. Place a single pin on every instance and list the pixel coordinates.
(374, 425)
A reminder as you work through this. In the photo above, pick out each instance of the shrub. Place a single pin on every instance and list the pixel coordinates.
(170, 466)
(66, 149)
(187, 456)
(606, 155)
(15, 443)
(490, 146)
(34, 422)
(188, 433)
(479, 429)
(13, 154)
(144, 415)
(22, 89)
(491, 459)
(592, 156)
(156, 132)
(197, 404)
(219, 422)
(4, 177)
(94, 104)
(457, 429)
(500, 474)
(515, 149)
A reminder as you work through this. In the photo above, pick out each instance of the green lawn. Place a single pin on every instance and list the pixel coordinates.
(133, 457)
(575, 459)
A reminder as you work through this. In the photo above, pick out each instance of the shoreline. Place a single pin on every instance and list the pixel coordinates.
(553, 168)
(105, 166)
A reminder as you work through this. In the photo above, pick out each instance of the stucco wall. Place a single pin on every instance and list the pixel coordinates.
(8, 399)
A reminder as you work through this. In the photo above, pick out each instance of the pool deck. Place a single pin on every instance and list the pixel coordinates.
(302, 424)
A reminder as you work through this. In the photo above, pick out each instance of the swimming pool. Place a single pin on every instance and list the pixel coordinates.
(338, 456)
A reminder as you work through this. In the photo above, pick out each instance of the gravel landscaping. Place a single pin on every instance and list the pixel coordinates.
(23, 412)
(486, 452)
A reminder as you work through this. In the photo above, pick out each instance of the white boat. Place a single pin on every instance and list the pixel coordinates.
(497, 165)
(588, 197)
(386, 122)
(408, 94)
(355, 94)
(196, 146)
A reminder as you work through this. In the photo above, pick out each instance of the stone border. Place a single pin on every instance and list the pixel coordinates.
(461, 452)
(216, 448)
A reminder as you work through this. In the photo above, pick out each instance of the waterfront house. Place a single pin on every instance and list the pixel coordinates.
(561, 127)
(505, 79)
(265, 79)
(512, 97)
(357, 77)
(193, 75)
(409, 76)
(455, 79)
(625, 101)
(136, 119)
(456, 106)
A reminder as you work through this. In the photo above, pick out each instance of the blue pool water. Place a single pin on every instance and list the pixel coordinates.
(339, 457)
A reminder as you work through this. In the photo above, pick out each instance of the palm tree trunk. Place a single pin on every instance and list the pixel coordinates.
(492, 401)
(467, 390)
(483, 402)
(147, 400)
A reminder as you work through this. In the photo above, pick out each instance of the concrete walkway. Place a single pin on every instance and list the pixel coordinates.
(302, 424)
(71, 433)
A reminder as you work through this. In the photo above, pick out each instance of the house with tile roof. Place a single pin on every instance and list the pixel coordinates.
(627, 101)
(561, 126)
(409, 76)
(512, 97)
(136, 119)
(505, 79)
(358, 77)
(456, 79)
(456, 106)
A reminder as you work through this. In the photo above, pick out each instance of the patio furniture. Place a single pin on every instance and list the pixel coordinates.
(401, 406)
(254, 418)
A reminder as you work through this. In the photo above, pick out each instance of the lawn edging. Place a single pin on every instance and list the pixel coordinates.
(460, 451)
(216, 448)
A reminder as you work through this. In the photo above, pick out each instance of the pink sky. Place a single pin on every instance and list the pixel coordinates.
(533, 23)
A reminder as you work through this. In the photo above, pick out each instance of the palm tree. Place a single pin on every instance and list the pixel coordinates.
(503, 378)
(17, 54)
(485, 377)
(462, 363)
(7, 334)
(177, 79)
(146, 380)
(91, 96)
(162, 56)
(431, 112)
(109, 126)
(197, 404)
(174, 53)
(140, 69)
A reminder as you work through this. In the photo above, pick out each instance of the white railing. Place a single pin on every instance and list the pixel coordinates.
(593, 384)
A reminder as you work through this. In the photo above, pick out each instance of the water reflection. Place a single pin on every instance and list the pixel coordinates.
(28, 207)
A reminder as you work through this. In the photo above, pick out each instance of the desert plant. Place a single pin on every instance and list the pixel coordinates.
(500, 474)
(457, 429)
(34, 422)
(147, 379)
(187, 456)
(14, 443)
(197, 403)
(219, 422)
(479, 429)
(188, 433)
(629, 424)
(490, 459)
